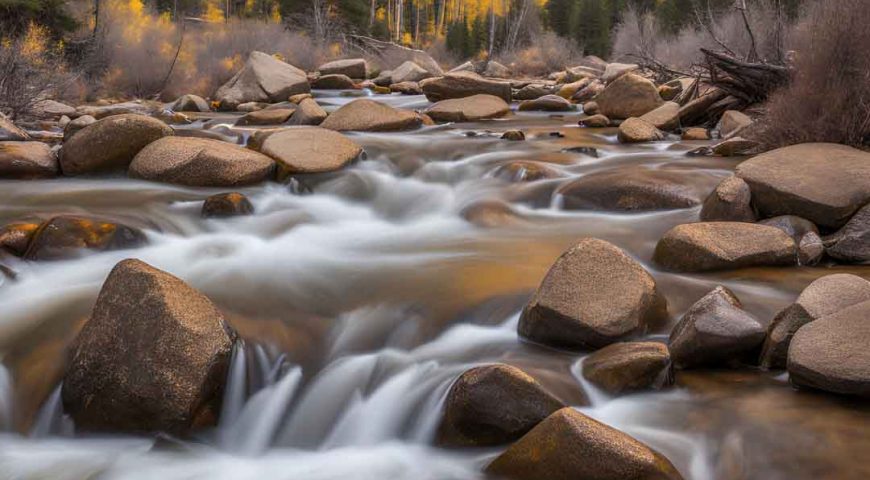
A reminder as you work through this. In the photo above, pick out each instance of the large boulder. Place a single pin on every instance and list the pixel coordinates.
(200, 162)
(635, 130)
(569, 446)
(628, 96)
(665, 117)
(593, 295)
(629, 366)
(715, 331)
(76, 125)
(631, 189)
(546, 103)
(371, 116)
(10, 132)
(730, 201)
(309, 150)
(463, 84)
(190, 103)
(264, 78)
(308, 112)
(469, 109)
(27, 160)
(67, 236)
(493, 405)
(153, 356)
(333, 82)
(706, 246)
(825, 296)
(822, 182)
(852, 242)
(351, 67)
(831, 353)
(408, 72)
(110, 143)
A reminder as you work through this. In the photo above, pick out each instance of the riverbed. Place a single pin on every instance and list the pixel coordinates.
(362, 294)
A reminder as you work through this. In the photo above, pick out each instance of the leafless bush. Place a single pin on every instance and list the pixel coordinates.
(640, 35)
(31, 69)
(545, 54)
(828, 99)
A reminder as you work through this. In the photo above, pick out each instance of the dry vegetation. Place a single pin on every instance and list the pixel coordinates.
(828, 99)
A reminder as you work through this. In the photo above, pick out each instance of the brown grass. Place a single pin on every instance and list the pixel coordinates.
(828, 99)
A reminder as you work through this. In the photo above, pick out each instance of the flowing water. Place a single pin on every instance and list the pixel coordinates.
(362, 294)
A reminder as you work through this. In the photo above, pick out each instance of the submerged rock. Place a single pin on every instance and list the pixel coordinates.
(493, 405)
(705, 246)
(546, 103)
(153, 356)
(371, 116)
(265, 117)
(463, 84)
(469, 109)
(730, 201)
(715, 331)
(231, 204)
(513, 135)
(630, 189)
(110, 143)
(309, 150)
(27, 160)
(264, 78)
(595, 121)
(825, 296)
(822, 182)
(831, 353)
(628, 96)
(200, 162)
(15, 237)
(629, 366)
(66, 236)
(569, 446)
(592, 296)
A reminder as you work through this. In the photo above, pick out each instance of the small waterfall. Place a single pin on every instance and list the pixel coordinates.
(50, 420)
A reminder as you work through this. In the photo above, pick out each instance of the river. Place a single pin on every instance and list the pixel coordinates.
(362, 294)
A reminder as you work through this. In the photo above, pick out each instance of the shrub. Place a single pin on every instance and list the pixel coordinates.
(828, 99)
(31, 69)
(545, 54)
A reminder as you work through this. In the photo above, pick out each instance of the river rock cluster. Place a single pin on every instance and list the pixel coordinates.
(796, 206)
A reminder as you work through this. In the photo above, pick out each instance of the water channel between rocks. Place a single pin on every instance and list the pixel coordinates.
(362, 294)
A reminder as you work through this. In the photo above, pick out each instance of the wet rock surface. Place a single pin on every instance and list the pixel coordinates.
(222, 205)
(493, 405)
(576, 307)
(717, 332)
(569, 445)
(27, 160)
(708, 246)
(68, 236)
(200, 162)
(152, 357)
(825, 296)
(629, 366)
(831, 353)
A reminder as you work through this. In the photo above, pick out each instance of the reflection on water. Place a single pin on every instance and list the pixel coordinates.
(363, 294)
